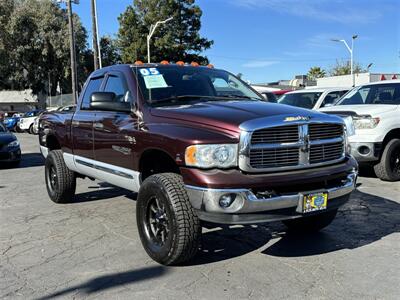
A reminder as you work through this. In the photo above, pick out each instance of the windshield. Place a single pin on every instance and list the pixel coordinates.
(168, 85)
(373, 94)
(305, 100)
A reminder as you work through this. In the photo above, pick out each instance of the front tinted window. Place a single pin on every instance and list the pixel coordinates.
(373, 94)
(332, 97)
(305, 100)
(93, 86)
(165, 84)
(116, 85)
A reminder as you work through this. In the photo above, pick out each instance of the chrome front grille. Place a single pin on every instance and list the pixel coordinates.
(293, 146)
(326, 152)
(325, 131)
(282, 134)
(271, 158)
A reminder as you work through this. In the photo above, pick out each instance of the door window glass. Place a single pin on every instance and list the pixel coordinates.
(93, 86)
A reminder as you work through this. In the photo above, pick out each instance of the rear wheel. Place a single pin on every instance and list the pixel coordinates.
(168, 225)
(60, 181)
(312, 223)
(389, 166)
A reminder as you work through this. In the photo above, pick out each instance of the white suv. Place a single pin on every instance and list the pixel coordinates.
(375, 109)
(313, 98)
(26, 122)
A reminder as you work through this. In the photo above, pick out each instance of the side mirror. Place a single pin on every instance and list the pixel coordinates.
(107, 101)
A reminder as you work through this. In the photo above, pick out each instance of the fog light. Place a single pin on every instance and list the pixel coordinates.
(226, 200)
(364, 150)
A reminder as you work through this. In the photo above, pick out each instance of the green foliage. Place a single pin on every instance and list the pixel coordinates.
(316, 72)
(177, 40)
(110, 54)
(344, 68)
(34, 46)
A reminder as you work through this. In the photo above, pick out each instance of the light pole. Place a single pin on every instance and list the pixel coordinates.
(151, 32)
(351, 54)
(74, 77)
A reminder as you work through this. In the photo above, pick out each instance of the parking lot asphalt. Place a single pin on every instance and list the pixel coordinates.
(90, 249)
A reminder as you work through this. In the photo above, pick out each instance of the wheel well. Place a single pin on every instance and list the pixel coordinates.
(156, 161)
(394, 133)
(52, 143)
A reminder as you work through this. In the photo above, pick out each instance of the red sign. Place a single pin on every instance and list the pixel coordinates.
(383, 77)
(394, 76)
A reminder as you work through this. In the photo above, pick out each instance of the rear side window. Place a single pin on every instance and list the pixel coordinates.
(93, 86)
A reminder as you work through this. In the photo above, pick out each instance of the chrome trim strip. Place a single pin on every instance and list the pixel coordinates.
(118, 176)
(246, 201)
(44, 150)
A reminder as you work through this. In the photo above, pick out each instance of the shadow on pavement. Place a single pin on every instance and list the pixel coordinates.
(363, 220)
(103, 194)
(105, 282)
(28, 160)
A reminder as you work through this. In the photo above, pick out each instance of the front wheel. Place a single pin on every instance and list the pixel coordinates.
(168, 225)
(389, 166)
(312, 223)
(60, 181)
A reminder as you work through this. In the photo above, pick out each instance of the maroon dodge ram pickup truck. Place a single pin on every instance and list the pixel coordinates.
(197, 144)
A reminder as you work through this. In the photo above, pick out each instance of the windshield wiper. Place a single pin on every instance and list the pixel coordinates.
(233, 96)
(180, 98)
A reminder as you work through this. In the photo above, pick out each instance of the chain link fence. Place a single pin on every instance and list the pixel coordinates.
(59, 100)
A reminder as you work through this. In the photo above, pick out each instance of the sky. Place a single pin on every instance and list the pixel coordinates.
(269, 40)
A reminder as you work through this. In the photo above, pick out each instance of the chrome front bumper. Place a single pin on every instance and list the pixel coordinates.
(207, 200)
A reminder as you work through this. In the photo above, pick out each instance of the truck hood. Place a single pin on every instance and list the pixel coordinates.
(363, 109)
(228, 114)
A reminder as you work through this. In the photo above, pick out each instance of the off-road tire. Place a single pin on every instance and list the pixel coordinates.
(30, 129)
(184, 230)
(385, 169)
(311, 223)
(62, 190)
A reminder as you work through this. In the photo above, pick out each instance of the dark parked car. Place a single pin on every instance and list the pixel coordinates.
(10, 151)
(198, 144)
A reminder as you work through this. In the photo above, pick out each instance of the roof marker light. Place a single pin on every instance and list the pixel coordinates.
(180, 63)
(194, 64)
(164, 62)
(138, 62)
(211, 66)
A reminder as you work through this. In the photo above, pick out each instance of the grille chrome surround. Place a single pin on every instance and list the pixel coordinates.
(319, 141)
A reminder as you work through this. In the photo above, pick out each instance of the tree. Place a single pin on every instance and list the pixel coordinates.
(34, 46)
(315, 72)
(110, 54)
(344, 68)
(177, 40)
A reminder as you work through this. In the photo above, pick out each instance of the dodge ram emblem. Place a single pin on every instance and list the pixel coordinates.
(298, 118)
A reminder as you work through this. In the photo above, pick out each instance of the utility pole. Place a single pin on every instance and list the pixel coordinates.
(73, 52)
(94, 33)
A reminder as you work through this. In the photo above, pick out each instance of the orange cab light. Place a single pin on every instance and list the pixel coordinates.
(138, 62)
(194, 64)
(164, 62)
(180, 63)
(210, 66)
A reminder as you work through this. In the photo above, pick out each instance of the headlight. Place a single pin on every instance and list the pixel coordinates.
(350, 129)
(13, 144)
(365, 122)
(212, 156)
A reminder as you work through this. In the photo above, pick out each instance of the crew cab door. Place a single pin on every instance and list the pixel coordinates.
(115, 132)
(82, 122)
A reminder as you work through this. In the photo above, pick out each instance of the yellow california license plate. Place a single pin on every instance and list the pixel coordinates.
(314, 202)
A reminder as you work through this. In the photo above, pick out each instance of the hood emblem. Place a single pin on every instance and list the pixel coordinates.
(298, 118)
